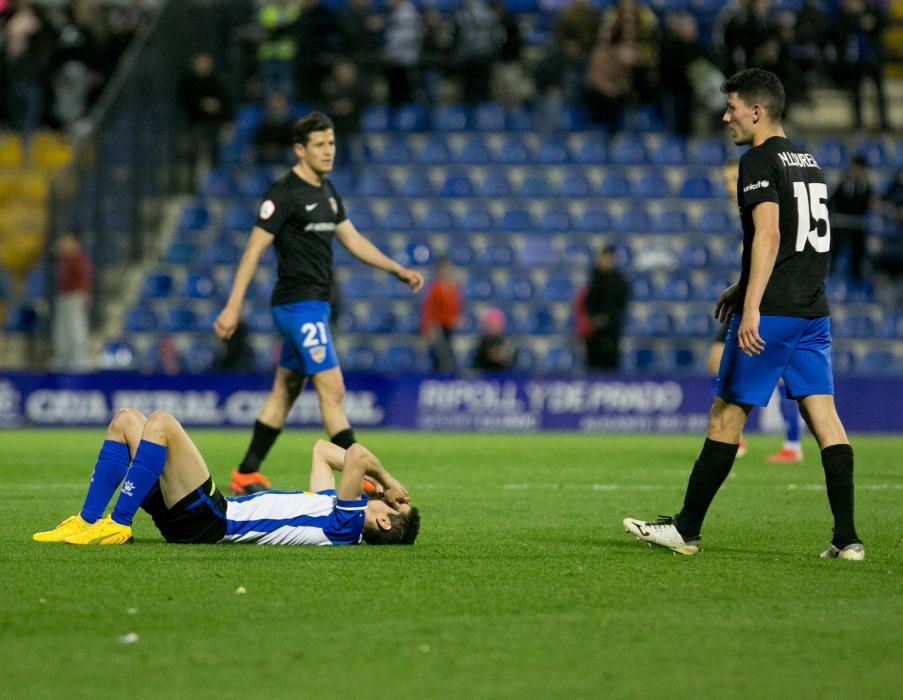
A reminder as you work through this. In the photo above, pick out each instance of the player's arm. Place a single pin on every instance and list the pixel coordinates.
(368, 253)
(765, 245)
(356, 463)
(226, 322)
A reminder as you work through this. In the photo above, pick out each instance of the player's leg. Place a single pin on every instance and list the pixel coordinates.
(330, 387)
(123, 435)
(792, 451)
(713, 364)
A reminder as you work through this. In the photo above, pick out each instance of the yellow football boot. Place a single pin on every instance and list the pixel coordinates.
(70, 526)
(104, 531)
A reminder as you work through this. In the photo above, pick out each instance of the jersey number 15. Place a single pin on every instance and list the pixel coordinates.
(811, 199)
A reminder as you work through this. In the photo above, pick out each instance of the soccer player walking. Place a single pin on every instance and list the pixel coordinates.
(779, 325)
(300, 215)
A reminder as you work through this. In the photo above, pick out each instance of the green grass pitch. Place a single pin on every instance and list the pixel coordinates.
(522, 584)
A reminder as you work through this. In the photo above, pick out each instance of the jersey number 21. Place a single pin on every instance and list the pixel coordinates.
(811, 199)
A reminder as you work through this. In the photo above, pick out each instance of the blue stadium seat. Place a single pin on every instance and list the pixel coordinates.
(158, 286)
(677, 287)
(877, 363)
(240, 218)
(653, 185)
(518, 287)
(892, 326)
(490, 117)
(613, 186)
(535, 186)
(181, 253)
(496, 254)
(874, 152)
(376, 118)
(541, 320)
(410, 118)
(831, 153)
(641, 118)
(466, 324)
(416, 184)
(575, 118)
(858, 326)
(418, 253)
(140, 320)
(395, 151)
(379, 321)
(628, 150)
(634, 220)
(194, 217)
(255, 183)
(221, 252)
(182, 320)
(716, 222)
(553, 150)
(698, 187)
(518, 119)
(575, 184)
(710, 151)
(697, 325)
(538, 251)
(594, 219)
(680, 360)
(260, 321)
(843, 361)
(248, 118)
(524, 359)
(200, 285)
(359, 358)
(477, 217)
(453, 118)
(659, 323)
(577, 255)
(695, 255)
(555, 220)
(557, 288)
(457, 185)
(118, 355)
(671, 221)
(593, 150)
(730, 256)
(439, 218)
(671, 151)
(560, 360)
(479, 288)
(639, 360)
(495, 184)
(375, 184)
(362, 217)
(219, 183)
(399, 359)
(516, 220)
(398, 218)
(460, 253)
(642, 287)
(358, 286)
(514, 151)
(409, 322)
(435, 151)
(473, 151)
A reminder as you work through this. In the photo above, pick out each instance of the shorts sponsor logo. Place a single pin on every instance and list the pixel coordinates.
(761, 184)
(267, 209)
(334, 205)
(318, 354)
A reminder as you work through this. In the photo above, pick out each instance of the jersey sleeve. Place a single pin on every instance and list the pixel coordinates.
(274, 212)
(758, 180)
(346, 522)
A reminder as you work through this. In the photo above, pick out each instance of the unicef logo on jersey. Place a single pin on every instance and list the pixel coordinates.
(761, 184)
(318, 354)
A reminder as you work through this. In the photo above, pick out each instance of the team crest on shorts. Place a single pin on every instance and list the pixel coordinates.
(334, 205)
(318, 354)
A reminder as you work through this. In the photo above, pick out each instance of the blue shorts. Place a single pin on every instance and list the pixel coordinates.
(307, 347)
(796, 349)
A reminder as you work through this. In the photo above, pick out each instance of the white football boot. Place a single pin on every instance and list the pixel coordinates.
(852, 552)
(663, 533)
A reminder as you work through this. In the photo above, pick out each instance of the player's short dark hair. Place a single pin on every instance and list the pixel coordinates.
(305, 126)
(405, 527)
(757, 86)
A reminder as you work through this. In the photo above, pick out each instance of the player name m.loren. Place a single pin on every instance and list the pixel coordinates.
(800, 160)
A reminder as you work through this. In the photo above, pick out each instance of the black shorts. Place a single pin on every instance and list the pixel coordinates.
(199, 518)
(722, 334)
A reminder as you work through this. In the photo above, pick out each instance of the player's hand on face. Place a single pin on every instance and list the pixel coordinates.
(395, 494)
(748, 337)
(226, 323)
(412, 278)
(724, 307)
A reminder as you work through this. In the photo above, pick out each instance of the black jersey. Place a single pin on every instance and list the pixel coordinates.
(778, 171)
(302, 218)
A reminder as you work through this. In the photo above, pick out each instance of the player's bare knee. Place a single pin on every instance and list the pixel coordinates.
(160, 426)
(126, 421)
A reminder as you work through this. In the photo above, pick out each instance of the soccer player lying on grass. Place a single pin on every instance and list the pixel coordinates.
(169, 479)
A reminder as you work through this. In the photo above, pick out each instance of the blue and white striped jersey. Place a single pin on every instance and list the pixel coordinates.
(294, 518)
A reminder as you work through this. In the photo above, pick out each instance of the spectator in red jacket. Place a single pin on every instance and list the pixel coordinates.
(440, 315)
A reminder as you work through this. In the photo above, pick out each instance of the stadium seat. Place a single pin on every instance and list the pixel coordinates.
(201, 357)
(697, 325)
(410, 322)
(358, 286)
(552, 151)
(398, 359)
(634, 220)
(831, 153)
(518, 287)
(642, 287)
(418, 253)
(460, 253)
(892, 326)
(158, 286)
(466, 324)
(255, 183)
(535, 186)
(555, 220)
(592, 150)
(575, 184)
(874, 151)
(560, 360)
(628, 150)
(524, 359)
(140, 320)
(260, 321)
(416, 184)
(118, 355)
(514, 151)
(671, 151)
(359, 358)
(398, 218)
(716, 222)
(680, 360)
(457, 185)
(858, 326)
(435, 151)
(240, 218)
(575, 118)
(395, 151)
(695, 256)
(479, 288)
(557, 288)
(710, 151)
(490, 117)
(181, 253)
(678, 286)
(639, 360)
(200, 285)
(375, 184)
(495, 184)
(670, 221)
(699, 187)
(541, 320)
(843, 361)
(452, 118)
(219, 183)
(477, 217)
(362, 217)
(439, 218)
(613, 186)
(221, 252)
(409, 118)
(643, 118)
(653, 185)
(659, 323)
(577, 255)
(877, 363)
(474, 151)
(376, 118)
(181, 320)
(194, 217)
(538, 251)
(517, 220)
(379, 321)
(594, 220)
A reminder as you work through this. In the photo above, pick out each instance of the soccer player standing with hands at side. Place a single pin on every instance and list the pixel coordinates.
(780, 325)
(300, 215)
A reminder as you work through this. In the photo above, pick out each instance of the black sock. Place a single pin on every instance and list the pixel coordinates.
(344, 438)
(709, 472)
(261, 442)
(838, 463)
